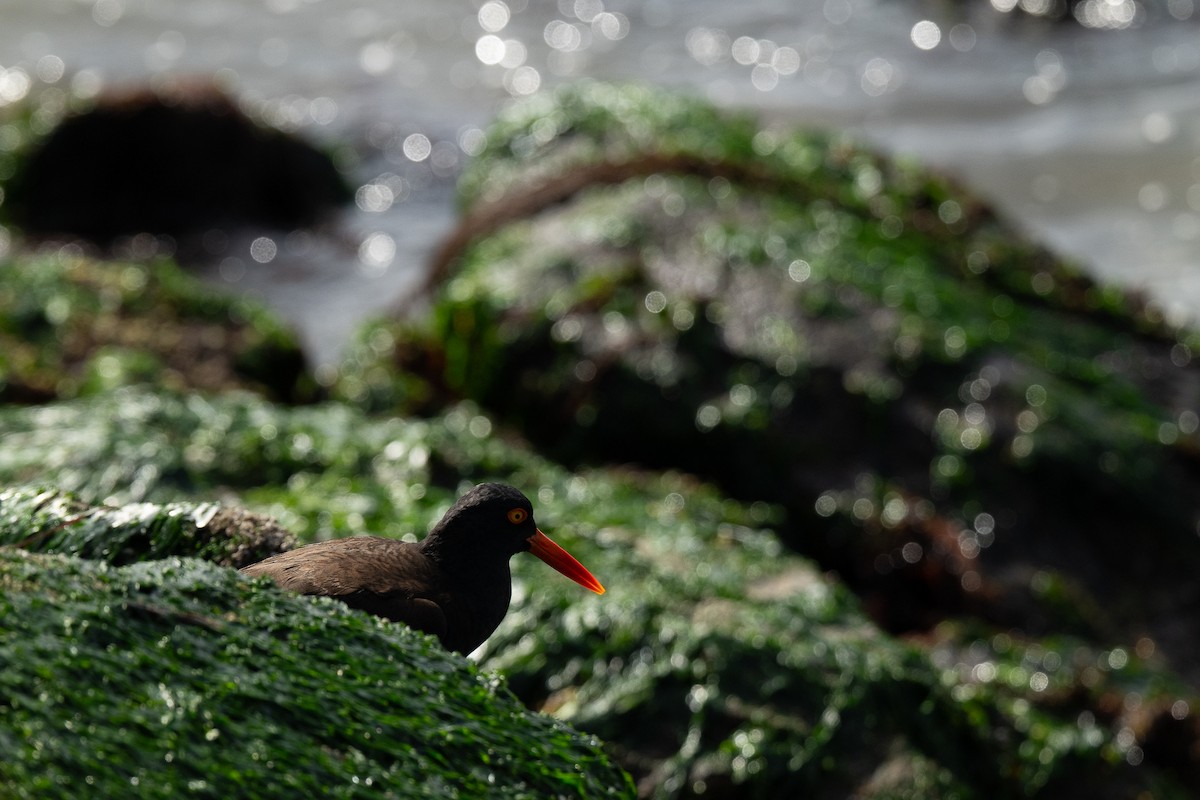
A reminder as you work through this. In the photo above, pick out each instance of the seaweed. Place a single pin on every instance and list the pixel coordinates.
(717, 664)
(177, 676)
(942, 408)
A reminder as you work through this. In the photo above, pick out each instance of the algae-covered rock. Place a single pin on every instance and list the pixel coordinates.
(41, 520)
(71, 325)
(717, 664)
(177, 678)
(952, 418)
(865, 356)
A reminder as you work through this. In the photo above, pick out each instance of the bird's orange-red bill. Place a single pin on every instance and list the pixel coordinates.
(544, 548)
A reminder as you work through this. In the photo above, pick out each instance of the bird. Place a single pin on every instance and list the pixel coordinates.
(454, 584)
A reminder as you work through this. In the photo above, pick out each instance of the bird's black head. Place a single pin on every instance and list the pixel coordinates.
(489, 524)
(492, 521)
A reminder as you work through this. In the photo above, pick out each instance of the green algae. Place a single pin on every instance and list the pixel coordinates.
(808, 324)
(717, 664)
(786, 292)
(71, 325)
(40, 520)
(176, 676)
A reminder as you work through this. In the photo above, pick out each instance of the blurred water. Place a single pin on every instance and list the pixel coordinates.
(1087, 139)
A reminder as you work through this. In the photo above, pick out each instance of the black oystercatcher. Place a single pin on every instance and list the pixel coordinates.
(454, 584)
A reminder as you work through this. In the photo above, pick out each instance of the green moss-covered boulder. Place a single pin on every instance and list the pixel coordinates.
(42, 520)
(718, 664)
(177, 677)
(951, 417)
(642, 279)
(71, 325)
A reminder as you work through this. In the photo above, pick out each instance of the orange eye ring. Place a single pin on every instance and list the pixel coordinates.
(518, 515)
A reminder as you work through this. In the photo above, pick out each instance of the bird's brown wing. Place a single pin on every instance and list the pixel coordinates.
(384, 577)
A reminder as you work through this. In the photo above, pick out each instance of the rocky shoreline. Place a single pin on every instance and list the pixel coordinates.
(889, 502)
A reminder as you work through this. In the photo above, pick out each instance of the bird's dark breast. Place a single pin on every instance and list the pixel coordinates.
(478, 609)
(459, 621)
(396, 581)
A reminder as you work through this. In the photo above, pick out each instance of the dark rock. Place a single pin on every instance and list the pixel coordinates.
(171, 164)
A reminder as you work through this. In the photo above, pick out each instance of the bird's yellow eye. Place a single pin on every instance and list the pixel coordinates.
(517, 516)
